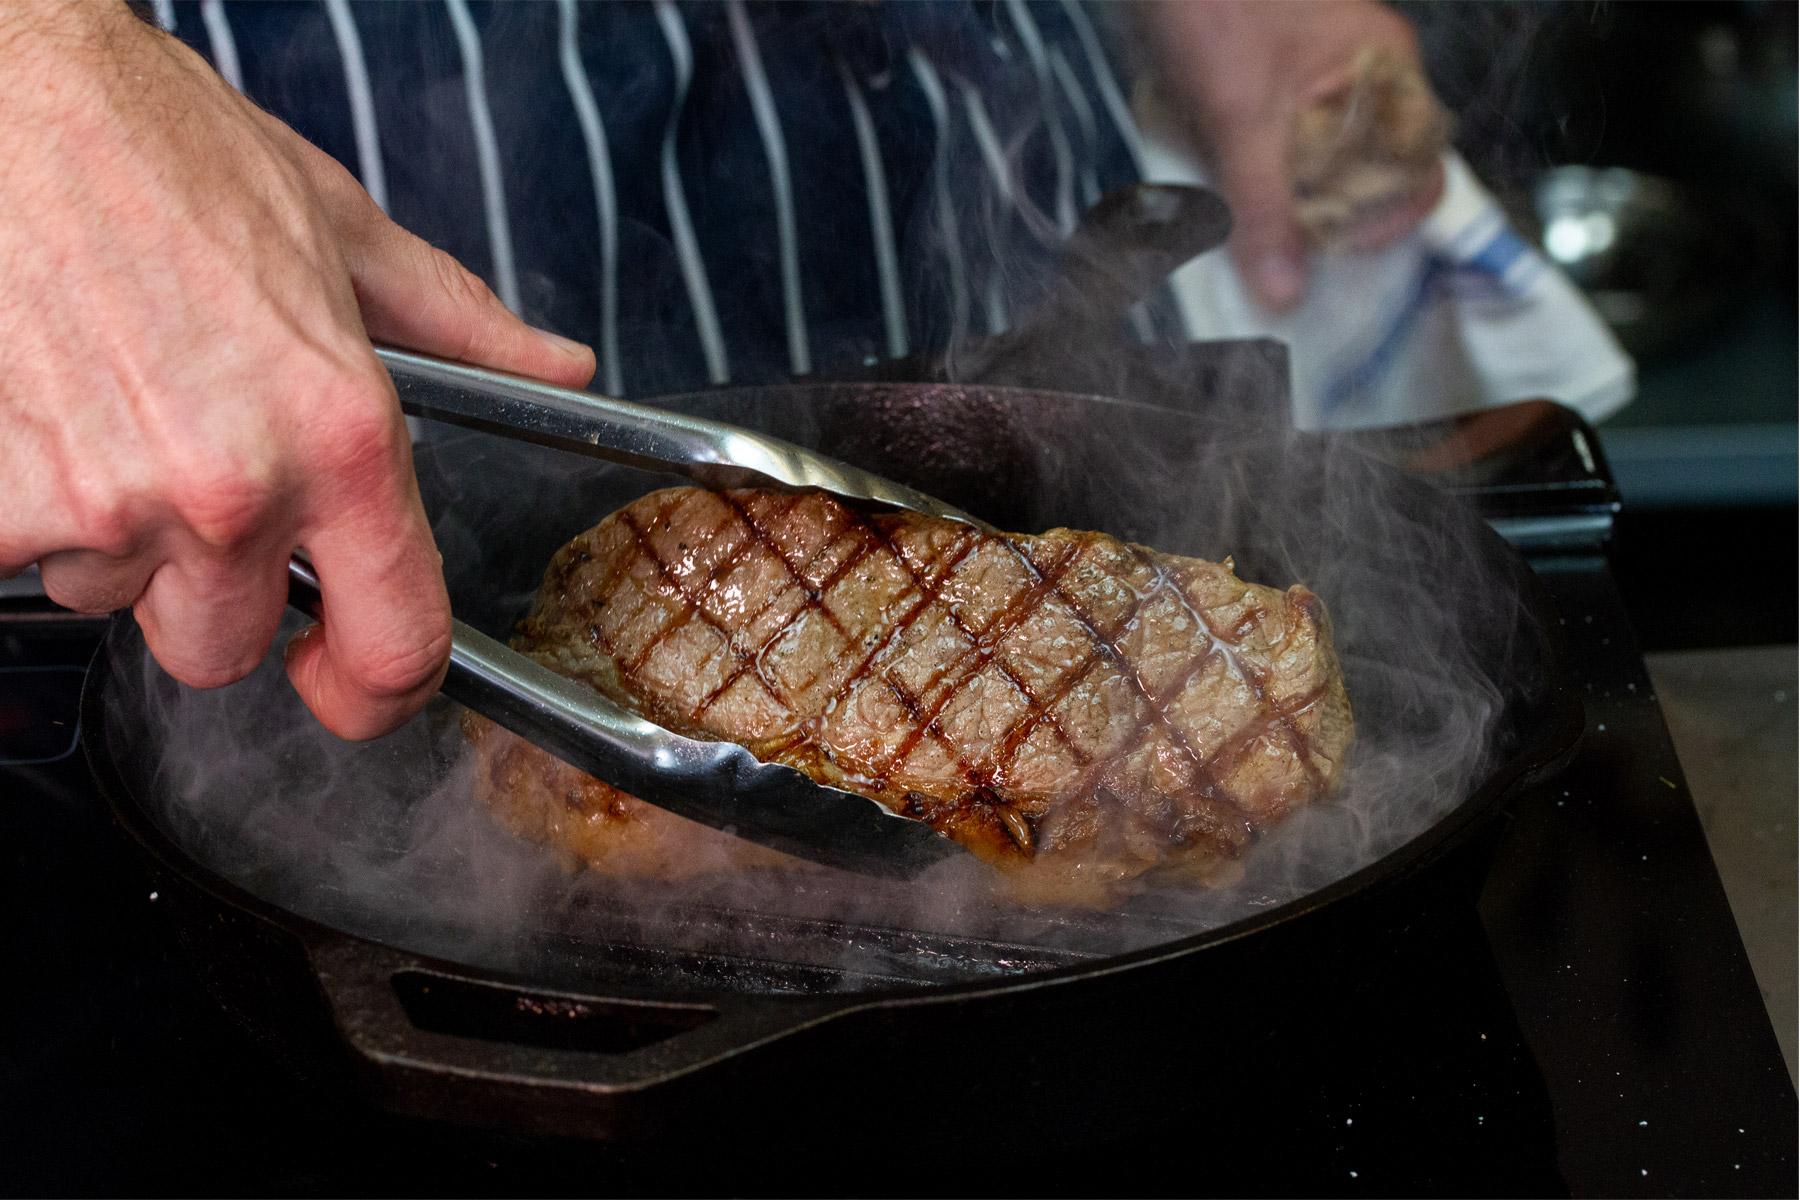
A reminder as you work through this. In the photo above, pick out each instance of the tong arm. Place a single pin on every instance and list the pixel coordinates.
(712, 453)
(720, 784)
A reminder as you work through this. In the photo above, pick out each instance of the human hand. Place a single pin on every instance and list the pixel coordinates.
(1317, 120)
(187, 386)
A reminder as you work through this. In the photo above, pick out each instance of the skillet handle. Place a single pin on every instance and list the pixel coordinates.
(1126, 247)
(429, 1022)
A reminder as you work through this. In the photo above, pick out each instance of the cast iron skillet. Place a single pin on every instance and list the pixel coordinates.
(1078, 1046)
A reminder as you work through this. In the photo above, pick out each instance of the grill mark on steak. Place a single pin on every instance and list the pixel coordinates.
(814, 597)
(690, 602)
(1015, 737)
(1106, 644)
(924, 723)
(1226, 758)
(691, 609)
(986, 649)
(1269, 716)
(1284, 721)
(1235, 746)
(981, 650)
(1099, 743)
(1016, 610)
(849, 564)
(927, 596)
(1208, 771)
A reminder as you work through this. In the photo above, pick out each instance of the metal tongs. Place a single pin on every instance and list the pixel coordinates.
(716, 783)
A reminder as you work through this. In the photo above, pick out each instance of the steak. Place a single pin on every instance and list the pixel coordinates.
(1074, 709)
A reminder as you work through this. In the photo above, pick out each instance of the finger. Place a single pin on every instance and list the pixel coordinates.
(1399, 219)
(90, 581)
(1266, 241)
(385, 636)
(209, 618)
(415, 295)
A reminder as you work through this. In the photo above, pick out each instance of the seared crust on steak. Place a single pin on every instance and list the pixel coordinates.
(1067, 705)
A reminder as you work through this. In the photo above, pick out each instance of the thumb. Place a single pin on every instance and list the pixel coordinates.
(1266, 241)
(412, 294)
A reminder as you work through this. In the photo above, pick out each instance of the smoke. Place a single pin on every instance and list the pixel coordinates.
(384, 839)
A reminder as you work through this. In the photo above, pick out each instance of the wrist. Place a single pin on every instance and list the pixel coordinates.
(60, 18)
(58, 58)
(43, 36)
(1198, 31)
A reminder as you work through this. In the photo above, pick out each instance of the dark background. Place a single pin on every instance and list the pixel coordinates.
(1702, 97)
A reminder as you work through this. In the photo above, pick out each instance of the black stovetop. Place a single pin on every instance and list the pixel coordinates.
(1592, 1026)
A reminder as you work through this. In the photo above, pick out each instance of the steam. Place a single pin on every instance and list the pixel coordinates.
(385, 840)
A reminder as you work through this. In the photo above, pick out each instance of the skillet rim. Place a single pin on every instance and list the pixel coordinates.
(1551, 731)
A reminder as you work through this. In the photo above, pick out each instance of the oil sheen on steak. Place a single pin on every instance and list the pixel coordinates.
(1074, 709)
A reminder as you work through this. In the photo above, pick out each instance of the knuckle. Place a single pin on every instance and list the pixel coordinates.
(458, 282)
(63, 592)
(364, 724)
(105, 520)
(111, 529)
(195, 661)
(225, 507)
(349, 202)
(359, 431)
(211, 674)
(402, 670)
(1400, 34)
(79, 596)
(210, 619)
(199, 656)
(17, 551)
(477, 305)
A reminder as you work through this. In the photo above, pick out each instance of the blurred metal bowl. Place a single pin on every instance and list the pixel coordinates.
(1656, 257)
